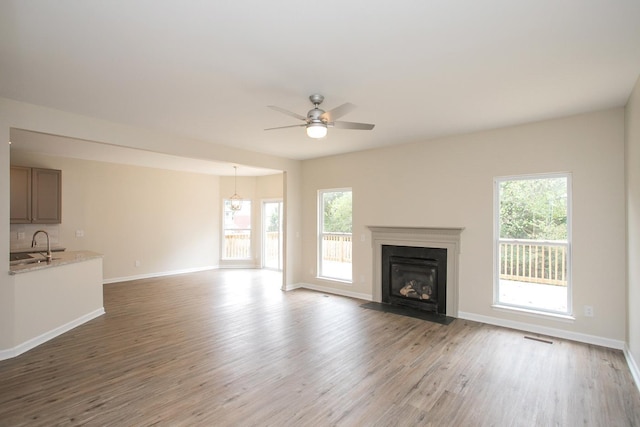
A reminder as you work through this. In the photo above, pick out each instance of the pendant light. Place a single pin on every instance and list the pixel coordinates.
(236, 201)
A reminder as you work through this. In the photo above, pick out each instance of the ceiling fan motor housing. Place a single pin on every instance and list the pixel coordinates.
(313, 116)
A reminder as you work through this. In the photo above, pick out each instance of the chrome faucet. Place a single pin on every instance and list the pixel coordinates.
(34, 244)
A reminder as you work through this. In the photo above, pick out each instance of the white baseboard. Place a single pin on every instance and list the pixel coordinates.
(553, 332)
(239, 266)
(633, 366)
(159, 274)
(328, 290)
(34, 342)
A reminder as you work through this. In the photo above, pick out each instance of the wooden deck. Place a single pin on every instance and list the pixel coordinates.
(228, 348)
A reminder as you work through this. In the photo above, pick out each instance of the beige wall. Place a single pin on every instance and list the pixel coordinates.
(270, 186)
(633, 224)
(449, 182)
(166, 220)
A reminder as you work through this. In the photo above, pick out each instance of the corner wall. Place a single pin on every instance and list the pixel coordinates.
(632, 169)
(7, 291)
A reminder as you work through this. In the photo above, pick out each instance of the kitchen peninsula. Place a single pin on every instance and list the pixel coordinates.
(53, 297)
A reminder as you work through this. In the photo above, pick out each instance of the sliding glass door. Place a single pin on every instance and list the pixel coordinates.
(272, 237)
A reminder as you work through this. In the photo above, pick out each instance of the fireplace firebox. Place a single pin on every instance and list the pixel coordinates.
(415, 277)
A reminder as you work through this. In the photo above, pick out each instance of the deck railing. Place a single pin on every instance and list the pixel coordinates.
(237, 245)
(271, 248)
(336, 247)
(534, 261)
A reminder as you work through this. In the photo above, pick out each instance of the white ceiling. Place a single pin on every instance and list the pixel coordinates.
(418, 69)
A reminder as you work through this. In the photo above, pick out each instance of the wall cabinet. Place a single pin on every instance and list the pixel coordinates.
(36, 196)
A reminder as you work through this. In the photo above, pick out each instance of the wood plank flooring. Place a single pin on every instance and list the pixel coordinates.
(228, 348)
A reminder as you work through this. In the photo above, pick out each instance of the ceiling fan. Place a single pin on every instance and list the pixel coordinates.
(317, 120)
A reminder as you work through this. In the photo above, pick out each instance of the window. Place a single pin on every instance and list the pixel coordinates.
(237, 231)
(272, 238)
(334, 217)
(533, 243)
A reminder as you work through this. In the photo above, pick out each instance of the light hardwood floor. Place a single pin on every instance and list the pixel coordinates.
(228, 348)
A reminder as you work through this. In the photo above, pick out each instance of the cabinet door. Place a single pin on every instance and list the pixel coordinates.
(20, 199)
(46, 196)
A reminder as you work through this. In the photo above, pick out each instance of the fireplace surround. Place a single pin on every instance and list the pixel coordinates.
(443, 238)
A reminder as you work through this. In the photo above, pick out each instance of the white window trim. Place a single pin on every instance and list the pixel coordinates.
(281, 231)
(223, 239)
(568, 315)
(320, 215)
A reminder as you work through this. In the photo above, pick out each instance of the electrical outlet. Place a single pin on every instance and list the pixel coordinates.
(79, 233)
(137, 263)
(21, 235)
(588, 311)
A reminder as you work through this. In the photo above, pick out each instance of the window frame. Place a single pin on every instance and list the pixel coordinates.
(225, 203)
(320, 227)
(496, 245)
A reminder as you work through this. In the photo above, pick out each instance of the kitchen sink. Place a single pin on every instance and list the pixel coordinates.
(20, 256)
(30, 260)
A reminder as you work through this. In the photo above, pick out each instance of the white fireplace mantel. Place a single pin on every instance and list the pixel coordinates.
(427, 237)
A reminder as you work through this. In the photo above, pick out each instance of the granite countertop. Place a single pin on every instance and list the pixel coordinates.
(59, 258)
(31, 250)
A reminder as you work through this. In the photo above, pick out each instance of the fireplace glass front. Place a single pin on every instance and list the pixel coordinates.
(415, 277)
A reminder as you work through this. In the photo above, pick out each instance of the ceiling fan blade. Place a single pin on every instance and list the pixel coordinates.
(284, 127)
(351, 125)
(338, 112)
(288, 113)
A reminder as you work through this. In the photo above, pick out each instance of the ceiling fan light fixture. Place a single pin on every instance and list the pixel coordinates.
(316, 130)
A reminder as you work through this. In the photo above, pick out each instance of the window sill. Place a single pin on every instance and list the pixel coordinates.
(535, 313)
